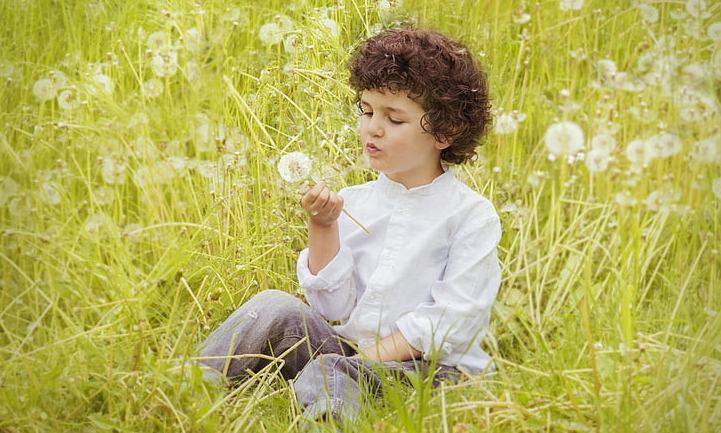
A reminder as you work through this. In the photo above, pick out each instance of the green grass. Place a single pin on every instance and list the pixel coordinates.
(133, 223)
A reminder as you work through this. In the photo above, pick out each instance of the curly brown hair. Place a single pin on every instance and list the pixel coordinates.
(437, 72)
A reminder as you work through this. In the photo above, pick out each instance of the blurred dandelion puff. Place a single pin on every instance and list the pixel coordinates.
(564, 138)
(714, 31)
(716, 187)
(597, 160)
(44, 89)
(296, 167)
(571, 5)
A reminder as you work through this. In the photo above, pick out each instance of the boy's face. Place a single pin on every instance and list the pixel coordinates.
(396, 145)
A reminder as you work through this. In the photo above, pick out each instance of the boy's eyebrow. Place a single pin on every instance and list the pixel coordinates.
(387, 108)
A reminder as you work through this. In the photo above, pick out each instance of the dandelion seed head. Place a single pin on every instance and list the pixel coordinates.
(49, 193)
(708, 150)
(625, 199)
(521, 18)
(294, 167)
(68, 100)
(662, 145)
(697, 8)
(158, 40)
(603, 142)
(714, 31)
(292, 43)
(564, 138)
(153, 87)
(597, 160)
(636, 152)
(716, 187)
(648, 13)
(571, 5)
(607, 69)
(273, 32)
(165, 63)
(103, 82)
(44, 89)
(103, 195)
(505, 124)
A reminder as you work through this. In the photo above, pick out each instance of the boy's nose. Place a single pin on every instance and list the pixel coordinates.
(374, 126)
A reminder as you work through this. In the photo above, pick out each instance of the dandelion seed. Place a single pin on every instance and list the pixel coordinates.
(159, 40)
(192, 71)
(625, 199)
(693, 74)
(49, 193)
(295, 167)
(662, 199)
(714, 31)
(8, 188)
(331, 27)
(603, 142)
(44, 89)
(505, 124)
(103, 195)
(607, 69)
(662, 145)
(648, 13)
(636, 152)
(274, 32)
(113, 171)
(104, 83)
(207, 169)
(521, 18)
(597, 160)
(387, 9)
(292, 43)
(708, 150)
(165, 64)
(716, 187)
(629, 83)
(697, 8)
(153, 88)
(571, 5)
(68, 100)
(693, 28)
(695, 106)
(564, 138)
(193, 40)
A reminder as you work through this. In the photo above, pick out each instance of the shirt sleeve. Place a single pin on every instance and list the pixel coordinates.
(332, 291)
(458, 315)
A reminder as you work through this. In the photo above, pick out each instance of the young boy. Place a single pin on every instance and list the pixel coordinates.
(417, 291)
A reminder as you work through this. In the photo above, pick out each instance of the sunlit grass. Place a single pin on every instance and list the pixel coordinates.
(140, 204)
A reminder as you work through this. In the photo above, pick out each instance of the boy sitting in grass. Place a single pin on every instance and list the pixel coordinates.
(415, 294)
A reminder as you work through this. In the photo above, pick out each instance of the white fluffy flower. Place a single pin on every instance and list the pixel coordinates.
(44, 89)
(697, 8)
(104, 83)
(571, 5)
(564, 138)
(662, 145)
(597, 160)
(295, 166)
(113, 170)
(716, 187)
(68, 100)
(153, 87)
(49, 193)
(636, 152)
(714, 31)
(607, 69)
(648, 13)
(603, 142)
(708, 150)
(505, 124)
(273, 32)
(158, 40)
(165, 63)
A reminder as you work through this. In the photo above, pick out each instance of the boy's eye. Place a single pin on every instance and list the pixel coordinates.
(395, 122)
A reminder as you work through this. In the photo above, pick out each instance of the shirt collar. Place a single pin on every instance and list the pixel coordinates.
(439, 183)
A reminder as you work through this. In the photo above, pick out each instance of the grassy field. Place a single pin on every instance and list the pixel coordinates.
(140, 204)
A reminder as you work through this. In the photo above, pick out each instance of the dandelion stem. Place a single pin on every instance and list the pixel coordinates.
(356, 221)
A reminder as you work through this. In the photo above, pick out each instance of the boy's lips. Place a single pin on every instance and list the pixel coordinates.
(371, 148)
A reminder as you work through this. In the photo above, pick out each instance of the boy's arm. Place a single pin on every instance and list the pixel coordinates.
(324, 207)
(392, 348)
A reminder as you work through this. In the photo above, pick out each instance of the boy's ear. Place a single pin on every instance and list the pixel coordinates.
(443, 143)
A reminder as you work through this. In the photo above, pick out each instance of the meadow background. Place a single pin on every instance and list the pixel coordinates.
(140, 204)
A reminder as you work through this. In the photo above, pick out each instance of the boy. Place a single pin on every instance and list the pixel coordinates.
(416, 292)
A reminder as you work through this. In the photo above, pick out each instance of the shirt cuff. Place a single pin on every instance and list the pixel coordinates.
(333, 276)
(420, 336)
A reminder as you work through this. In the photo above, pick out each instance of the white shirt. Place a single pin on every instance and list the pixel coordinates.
(429, 268)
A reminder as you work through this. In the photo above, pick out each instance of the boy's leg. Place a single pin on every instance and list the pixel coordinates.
(333, 385)
(269, 324)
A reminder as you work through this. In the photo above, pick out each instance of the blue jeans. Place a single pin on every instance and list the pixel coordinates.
(275, 323)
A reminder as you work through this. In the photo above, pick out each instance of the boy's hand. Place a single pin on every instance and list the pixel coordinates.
(323, 205)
